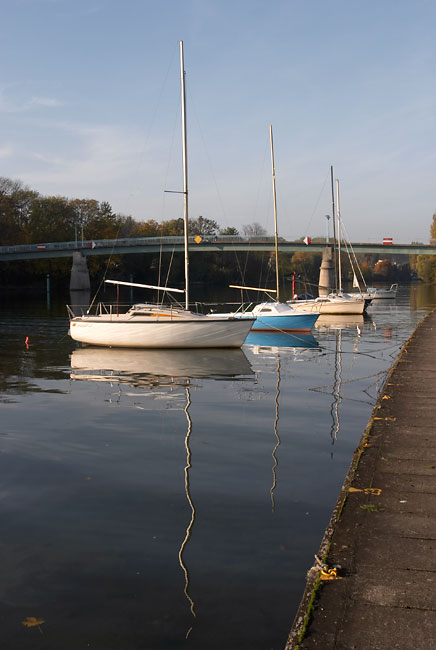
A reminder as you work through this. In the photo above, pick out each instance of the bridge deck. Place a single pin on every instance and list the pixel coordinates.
(206, 244)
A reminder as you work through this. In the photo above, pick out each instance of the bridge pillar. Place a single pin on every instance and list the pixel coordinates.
(326, 273)
(79, 278)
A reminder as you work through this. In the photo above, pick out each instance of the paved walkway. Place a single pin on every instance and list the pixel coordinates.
(385, 544)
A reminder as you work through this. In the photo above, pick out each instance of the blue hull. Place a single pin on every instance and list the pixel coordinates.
(294, 323)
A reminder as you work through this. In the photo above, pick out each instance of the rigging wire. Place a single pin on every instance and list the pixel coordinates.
(317, 202)
(261, 181)
(167, 172)
(155, 111)
(211, 171)
(106, 270)
(347, 238)
(138, 164)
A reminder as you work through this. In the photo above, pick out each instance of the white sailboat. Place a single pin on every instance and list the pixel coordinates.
(356, 296)
(382, 294)
(351, 303)
(157, 326)
(331, 305)
(337, 303)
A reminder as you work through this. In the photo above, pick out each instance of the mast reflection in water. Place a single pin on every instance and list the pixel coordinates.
(158, 368)
(276, 343)
(191, 505)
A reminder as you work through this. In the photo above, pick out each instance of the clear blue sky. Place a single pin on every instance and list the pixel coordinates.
(89, 108)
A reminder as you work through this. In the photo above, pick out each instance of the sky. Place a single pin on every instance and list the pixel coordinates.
(90, 109)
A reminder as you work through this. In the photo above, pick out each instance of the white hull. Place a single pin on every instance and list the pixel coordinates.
(382, 294)
(331, 306)
(275, 316)
(123, 332)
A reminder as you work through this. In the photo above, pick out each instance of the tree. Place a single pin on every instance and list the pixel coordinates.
(86, 212)
(230, 230)
(433, 230)
(127, 227)
(149, 228)
(306, 266)
(254, 230)
(15, 206)
(385, 270)
(101, 222)
(173, 227)
(204, 227)
(51, 218)
(425, 265)
(426, 268)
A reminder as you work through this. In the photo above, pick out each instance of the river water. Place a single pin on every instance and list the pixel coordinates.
(154, 500)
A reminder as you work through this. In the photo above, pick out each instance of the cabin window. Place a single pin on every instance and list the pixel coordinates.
(266, 309)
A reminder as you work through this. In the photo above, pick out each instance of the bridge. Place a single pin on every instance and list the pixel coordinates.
(223, 243)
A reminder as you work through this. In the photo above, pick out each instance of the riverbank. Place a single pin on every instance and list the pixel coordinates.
(382, 533)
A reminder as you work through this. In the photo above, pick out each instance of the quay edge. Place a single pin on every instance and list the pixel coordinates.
(362, 463)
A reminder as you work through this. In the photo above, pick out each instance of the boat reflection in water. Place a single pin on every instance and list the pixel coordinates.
(145, 367)
(338, 334)
(154, 369)
(351, 321)
(281, 340)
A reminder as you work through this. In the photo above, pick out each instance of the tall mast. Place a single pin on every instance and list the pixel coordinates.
(334, 230)
(339, 236)
(185, 175)
(275, 214)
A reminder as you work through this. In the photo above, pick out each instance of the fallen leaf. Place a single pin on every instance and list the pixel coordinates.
(32, 621)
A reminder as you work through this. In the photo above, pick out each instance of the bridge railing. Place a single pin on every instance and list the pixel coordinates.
(131, 241)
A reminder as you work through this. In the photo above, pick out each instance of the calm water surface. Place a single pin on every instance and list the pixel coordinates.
(154, 500)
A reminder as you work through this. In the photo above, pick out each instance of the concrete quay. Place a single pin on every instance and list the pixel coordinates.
(384, 597)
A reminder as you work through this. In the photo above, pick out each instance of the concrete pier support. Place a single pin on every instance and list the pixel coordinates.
(79, 279)
(326, 273)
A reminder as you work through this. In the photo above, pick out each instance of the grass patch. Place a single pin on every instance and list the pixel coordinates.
(371, 507)
(310, 608)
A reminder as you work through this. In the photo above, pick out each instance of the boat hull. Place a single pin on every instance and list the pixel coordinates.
(183, 333)
(382, 294)
(331, 307)
(292, 323)
(295, 322)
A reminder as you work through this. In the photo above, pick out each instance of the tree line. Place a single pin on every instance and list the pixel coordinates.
(27, 217)
(425, 265)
